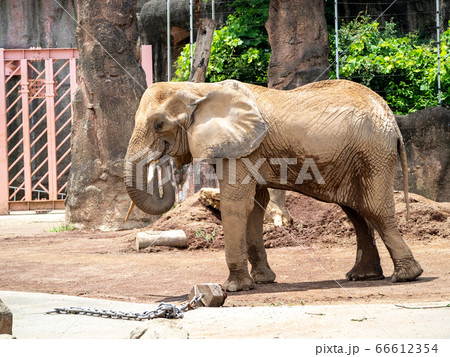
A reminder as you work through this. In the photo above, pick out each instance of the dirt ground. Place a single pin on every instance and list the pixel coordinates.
(310, 259)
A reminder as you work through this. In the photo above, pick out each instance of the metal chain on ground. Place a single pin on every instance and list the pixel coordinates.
(164, 310)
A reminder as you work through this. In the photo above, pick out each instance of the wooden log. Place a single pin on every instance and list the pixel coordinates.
(202, 50)
(174, 238)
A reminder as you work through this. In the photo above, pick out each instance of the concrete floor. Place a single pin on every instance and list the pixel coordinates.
(29, 223)
(328, 321)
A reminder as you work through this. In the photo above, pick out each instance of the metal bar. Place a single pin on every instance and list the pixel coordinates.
(66, 168)
(62, 97)
(169, 62)
(15, 147)
(12, 135)
(73, 77)
(13, 89)
(147, 63)
(13, 104)
(36, 155)
(14, 118)
(62, 82)
(61, 68)
(51, 130)
(13, 73)
(191, 31)
(34, 112)
(4, 189)
(15, 162)
(62, 188)
(68, 121)
(336, 28)
(43, 177)
(14, 178)
(14, 194)
(34, 54)
(63, 111)
(38, 137)
(213, 5)
(26, 128)
(438, 42)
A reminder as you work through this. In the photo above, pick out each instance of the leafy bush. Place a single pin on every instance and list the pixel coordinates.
(240, 50)
(402, 69)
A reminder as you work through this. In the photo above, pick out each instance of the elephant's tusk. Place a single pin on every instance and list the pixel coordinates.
(129, 211)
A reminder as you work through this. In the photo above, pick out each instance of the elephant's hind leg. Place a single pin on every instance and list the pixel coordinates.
(406, 268)
(256, 253)
(367, 265)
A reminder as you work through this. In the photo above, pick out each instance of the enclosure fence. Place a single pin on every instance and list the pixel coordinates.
(339, 14)
(37, 87)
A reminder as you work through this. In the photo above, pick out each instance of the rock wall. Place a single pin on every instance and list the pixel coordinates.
(111, 83)
(37, 23)
(298, 37)
(426, 134)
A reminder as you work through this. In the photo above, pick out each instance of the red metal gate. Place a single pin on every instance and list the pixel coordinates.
(36, 90)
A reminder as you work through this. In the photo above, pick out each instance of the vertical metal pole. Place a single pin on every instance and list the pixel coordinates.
(213, 10)
(191, 29)
(51, 130)
(169, 61)
(336, 36)
(4, 185)
(438, 42)
(24, 91)
(147, 64)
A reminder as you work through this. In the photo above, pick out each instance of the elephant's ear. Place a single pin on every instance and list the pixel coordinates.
(225, 124)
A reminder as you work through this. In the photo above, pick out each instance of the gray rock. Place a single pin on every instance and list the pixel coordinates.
(6, 319)
(426, 134)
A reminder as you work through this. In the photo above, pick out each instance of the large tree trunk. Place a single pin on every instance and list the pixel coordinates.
(111, 83)
(298, 37)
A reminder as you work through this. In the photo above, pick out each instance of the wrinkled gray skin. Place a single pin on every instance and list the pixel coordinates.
(346, 129)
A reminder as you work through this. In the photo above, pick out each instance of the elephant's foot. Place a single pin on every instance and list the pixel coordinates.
(239, 280)
(406, 269)
(263, 274)
(365, 272)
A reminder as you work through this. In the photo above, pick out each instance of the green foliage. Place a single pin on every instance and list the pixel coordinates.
(240, 50)
(208, 237)
(63, 228)
(402, 69)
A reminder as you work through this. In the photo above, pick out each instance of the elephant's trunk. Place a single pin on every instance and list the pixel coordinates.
(146, 195)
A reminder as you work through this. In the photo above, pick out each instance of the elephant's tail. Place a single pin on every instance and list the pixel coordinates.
(402, 153)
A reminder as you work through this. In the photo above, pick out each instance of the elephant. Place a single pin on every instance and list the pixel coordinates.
(342, 132)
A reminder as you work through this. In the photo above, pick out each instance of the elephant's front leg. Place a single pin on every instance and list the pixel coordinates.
(261, 272)
(236, 203)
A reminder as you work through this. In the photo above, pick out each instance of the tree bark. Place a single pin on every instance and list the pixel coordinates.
(202, 50)
(111, 83)
(298, 37)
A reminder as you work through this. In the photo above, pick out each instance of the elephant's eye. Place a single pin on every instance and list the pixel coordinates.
(158, 125)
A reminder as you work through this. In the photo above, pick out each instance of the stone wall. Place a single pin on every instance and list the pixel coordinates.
(427, 139)
(37, 23)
